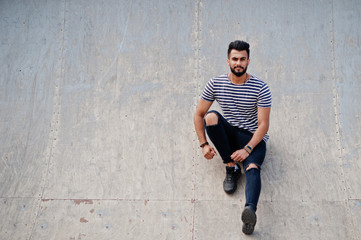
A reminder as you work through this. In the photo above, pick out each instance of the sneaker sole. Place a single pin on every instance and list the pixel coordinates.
(247, 229)
(231, 191)
(249, 220)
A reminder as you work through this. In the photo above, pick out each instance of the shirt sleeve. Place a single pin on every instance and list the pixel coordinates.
(208, 92)
(264, 97)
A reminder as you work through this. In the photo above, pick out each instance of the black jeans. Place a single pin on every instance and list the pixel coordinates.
(227, 139)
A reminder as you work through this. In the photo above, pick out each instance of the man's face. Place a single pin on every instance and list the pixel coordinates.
(238, 62)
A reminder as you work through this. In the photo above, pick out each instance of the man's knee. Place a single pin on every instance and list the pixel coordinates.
(252, 165)
(211, 119)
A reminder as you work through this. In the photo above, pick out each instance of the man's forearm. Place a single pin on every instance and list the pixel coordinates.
(199, 127)
(263, 125)
(258, 135)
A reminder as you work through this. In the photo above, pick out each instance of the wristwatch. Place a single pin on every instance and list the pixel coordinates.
(203, 144)
(248, 149)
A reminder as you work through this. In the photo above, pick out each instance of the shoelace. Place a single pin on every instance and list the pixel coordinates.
(230, 177)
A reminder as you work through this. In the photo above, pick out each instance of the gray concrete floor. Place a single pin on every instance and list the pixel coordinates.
(96, 131)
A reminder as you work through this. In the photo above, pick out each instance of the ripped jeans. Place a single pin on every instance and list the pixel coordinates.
(228, 139)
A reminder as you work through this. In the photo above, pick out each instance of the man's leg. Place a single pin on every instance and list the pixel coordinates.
(221, 133)
(253, 187)
(253, 190)
(216, 128)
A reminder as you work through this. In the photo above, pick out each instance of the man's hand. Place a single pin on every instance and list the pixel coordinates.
(239, 155)
(208, 152)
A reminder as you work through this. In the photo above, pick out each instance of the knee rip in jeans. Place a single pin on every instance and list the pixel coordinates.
(211, 119)
(252, 165)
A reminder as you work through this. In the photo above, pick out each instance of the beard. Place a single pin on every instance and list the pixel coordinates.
(238, 74)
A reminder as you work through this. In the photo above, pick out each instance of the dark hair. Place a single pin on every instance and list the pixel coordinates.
(238, 45)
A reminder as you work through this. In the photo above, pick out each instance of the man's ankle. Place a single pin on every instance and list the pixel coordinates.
(230, 164)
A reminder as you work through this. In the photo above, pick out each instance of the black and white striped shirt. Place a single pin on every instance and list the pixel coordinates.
(239, 102)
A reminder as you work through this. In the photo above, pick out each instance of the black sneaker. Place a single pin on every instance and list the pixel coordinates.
(249, 220)
(230, 182)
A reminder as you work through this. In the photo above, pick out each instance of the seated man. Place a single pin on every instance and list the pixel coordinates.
(240, 135)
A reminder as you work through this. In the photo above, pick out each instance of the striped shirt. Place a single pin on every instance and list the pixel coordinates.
(239, 102)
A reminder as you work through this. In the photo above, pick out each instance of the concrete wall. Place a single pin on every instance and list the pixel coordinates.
(96, 130)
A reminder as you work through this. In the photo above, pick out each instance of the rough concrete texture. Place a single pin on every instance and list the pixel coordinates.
(96, 129)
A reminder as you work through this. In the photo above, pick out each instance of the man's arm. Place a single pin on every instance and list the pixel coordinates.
(202, 108)
(263, 117)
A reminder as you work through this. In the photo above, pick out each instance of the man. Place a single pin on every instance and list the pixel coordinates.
(240, 135)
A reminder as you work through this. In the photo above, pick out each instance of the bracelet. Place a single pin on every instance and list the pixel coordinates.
(248, 149)
(203, 144)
